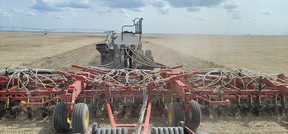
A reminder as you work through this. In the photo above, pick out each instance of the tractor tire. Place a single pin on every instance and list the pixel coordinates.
(193, 116)
(80, 118)
(167, 130)
(175, 114)
(148, 54)
(61, 124)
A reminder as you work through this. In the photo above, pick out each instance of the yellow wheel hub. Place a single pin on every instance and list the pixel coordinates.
(68, 120)
(86, 118)
(170, 117)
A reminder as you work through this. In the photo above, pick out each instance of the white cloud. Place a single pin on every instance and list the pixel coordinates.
(162, 6)
(267, 12)
(105, 10)
(30, 14)
(15, 10)
(236, 15)
(127, 4)
(200, 18)
(75, 14)
(164, 10)
(137, 9)
(124, 12)
(58, 5)
(6, 15)
(189, 15)
(230, 5)
(194, 3)
(58, 16)
(73, 4)
(193, 9)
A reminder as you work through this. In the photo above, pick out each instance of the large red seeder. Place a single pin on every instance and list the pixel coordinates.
(34, 89)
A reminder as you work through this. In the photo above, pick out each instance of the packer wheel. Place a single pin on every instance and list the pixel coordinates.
(110, 131)
(167, 130)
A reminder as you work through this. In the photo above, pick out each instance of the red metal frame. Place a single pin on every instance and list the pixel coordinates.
(145, 125)
(179, 87)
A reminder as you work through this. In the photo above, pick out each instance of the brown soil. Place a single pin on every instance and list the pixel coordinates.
(262, 53)
(59, 51)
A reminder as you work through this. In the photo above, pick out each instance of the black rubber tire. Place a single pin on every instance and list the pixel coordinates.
(154, 130)
(161, 130)
(111, 131)
(98, 131)
(124, 131)
(193, 116)
(170, 130)
(175, 114)
(114, 131)
(176, 131)
(108, 131)
(119, 130)
(94, 127)
(80, 118)
(60, 118)
(167, 130)
(104, 131)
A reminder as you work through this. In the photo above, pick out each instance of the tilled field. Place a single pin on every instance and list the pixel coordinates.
(59, 51)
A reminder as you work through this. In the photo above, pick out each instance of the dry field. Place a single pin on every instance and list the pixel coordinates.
(60, 50)
(262, 53)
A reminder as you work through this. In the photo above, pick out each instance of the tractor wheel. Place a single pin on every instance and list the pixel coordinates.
(148, 54)
(61, 122)
(80, 118)
(167, 130)
(175, 114)
(194, 116)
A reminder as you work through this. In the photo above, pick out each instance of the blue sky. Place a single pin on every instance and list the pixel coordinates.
(160, 16)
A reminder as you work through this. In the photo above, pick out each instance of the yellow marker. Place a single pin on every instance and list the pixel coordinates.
(42, 101)
(239, 101)
(7, 103)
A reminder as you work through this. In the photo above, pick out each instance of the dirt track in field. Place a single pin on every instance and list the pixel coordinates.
(59, 51)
